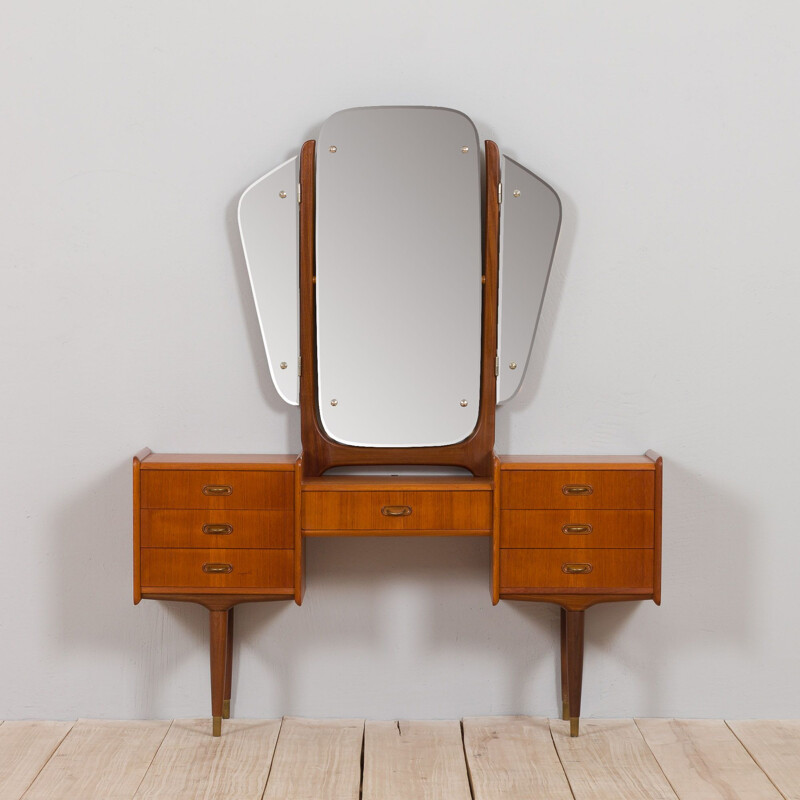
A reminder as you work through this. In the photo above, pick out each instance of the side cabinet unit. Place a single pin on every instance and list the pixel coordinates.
(576, 531)
(215, 532)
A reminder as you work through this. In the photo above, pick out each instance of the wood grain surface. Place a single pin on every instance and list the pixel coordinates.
(414, 761)
(513, 758)
(703, 760)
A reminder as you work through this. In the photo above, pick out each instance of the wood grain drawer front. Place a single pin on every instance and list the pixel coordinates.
(207, 529)
(573, 569)
(539, 489)
(217, 569)
(386, 511)
(217, 489)
(576, 529)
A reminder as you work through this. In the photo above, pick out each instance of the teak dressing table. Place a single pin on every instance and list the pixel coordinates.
(220, 530)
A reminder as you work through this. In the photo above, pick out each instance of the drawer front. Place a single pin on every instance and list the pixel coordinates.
(576, 529)
(216, 529)
(217, 489)
(386, 511)
(217, 569)
(613, 489)
(555, 569)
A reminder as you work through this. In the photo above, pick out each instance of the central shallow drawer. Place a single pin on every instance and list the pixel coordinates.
(567, 528)
(455, 512)
(217, 568)
(573, 569)
(620, 489)
(163, 527)
(218, 489)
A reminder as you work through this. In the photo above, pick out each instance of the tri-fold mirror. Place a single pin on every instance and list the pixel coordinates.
(425, 263)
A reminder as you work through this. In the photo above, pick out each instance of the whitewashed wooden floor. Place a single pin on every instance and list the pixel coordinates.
(514, 758)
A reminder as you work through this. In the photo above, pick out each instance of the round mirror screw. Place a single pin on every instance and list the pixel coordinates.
(464, 403)
(332, 148)
(282, 195)
(465, 149)
(517, 193)
(334, 402)
(512, 365)
(284, 365)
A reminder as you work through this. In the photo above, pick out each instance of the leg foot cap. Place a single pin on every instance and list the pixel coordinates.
(226, 709)
(216, 726)
(565, 710)
(573, 726)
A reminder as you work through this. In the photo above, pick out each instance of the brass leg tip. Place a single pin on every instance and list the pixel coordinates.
(573, 726)
(216, 726)
(226, 709)
(565, 710)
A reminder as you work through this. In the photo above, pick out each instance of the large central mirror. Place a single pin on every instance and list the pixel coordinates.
(398, 276)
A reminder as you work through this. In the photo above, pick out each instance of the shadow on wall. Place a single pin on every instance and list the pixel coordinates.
(709, 555)
(414, 613)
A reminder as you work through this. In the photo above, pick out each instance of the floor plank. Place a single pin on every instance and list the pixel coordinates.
(316, 760)
(703, 760)
(513, 758)
(191, 764)
(775, 747)
(414, 761)
(25, 748)
(609, 761)
(99, 760)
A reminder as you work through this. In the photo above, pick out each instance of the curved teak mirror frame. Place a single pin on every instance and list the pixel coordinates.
(320, 452)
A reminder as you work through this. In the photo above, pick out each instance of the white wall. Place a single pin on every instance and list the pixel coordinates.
(670, 130)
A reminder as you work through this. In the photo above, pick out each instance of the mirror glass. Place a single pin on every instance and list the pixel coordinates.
(269, 227)
(398, 276)
(530, 218)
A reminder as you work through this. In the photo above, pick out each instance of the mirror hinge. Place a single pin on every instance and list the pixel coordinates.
(499, 194)
(299, 366)
(496, 366)
(298, 193)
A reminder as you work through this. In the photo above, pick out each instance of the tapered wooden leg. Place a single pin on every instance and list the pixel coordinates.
(226, 699)
(574, 630)
(564, 673)
(219, 641)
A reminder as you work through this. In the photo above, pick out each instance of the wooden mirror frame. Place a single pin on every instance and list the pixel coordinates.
(320, 452)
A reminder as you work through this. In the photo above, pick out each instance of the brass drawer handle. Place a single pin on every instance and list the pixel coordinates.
(570, 529)
(217, 491)
(574, 490)
(218, 530)
(576, 569)
(396, 511)
(217, 569)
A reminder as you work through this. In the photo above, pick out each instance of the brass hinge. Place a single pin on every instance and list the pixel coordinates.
(499, 194)
(299, 366)
(298, 193)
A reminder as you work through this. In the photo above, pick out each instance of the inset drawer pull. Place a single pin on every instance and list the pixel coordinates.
(218, 530)
(572, 490)
(570, 529)
(576, 569)
(214, 569)
(396, 511)
(217, 491)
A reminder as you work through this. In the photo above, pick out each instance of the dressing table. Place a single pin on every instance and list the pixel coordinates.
(398, 300)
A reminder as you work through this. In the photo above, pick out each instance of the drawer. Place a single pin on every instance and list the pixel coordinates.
(576, 529)
(537, 489)
(620, 568)
(217, 489)
(214, 529)
(389, 512)
(190, 568)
